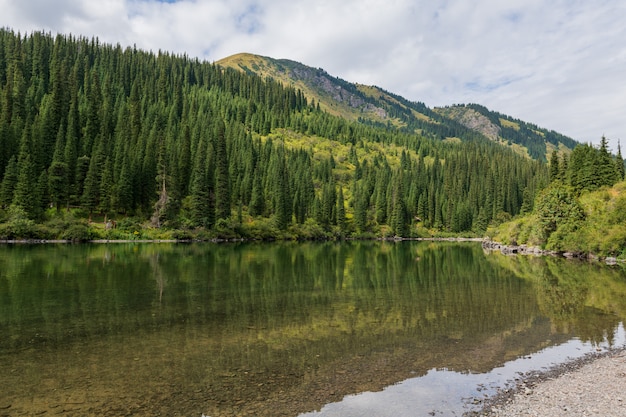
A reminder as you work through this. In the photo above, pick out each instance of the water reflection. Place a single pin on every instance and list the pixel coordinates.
(447, 393)
(275, 329)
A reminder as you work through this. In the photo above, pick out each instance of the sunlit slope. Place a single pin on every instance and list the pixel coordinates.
(373, 105)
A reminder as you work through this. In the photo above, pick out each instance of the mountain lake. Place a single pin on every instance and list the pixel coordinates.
(363, 328)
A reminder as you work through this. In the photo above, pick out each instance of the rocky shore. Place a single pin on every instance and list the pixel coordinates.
(536, 251)
(594, 385)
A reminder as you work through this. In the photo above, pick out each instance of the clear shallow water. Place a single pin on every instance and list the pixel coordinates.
(446, 393)
(285, 329)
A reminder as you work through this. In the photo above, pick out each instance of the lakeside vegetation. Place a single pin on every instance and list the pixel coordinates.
(583, 209)
(100, 141)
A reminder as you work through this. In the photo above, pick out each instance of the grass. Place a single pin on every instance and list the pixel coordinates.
(603, 232)
(508, 123)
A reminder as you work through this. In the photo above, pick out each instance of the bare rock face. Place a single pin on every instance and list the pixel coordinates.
(322, 81)
(479, 123)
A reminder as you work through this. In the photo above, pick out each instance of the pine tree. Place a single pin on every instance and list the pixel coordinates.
(26, 179)
(619, 162)
(106, 188)
(257, 200)
(70, 151)
(122, 198)
(58, 174)
(162, 179)
(399, 217)
(222, 184)
(9, 181)
(200, 190)
(91, 192)
(606, 169)
(82, 167)
(341, 211)
(554, 166)
(360, 210)
(41, 196)
(282, 203)
(57, 183)
(94, 106)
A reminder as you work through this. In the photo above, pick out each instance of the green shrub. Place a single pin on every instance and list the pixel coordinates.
(182, 234)
(130, 224)
(613, 242)
(18, 225)
(226, 229)
(77, 232)
(555, 207)
(310, 230)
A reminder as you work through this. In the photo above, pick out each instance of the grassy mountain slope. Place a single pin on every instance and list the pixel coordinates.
(335, 96)
(601, 230)
(371, 104)
(537, 141)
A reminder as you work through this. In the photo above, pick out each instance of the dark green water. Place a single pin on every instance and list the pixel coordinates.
(283, 329)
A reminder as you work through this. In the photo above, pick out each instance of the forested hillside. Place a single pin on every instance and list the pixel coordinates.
(538, 142)
(373, 105)
(94, 134)
(583, 209)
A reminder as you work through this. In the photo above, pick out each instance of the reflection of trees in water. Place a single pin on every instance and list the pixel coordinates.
(158, 275)
(248, 320)
(370, 289)
(561, 298)
(585, 299)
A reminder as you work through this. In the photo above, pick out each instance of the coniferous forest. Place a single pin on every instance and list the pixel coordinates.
(105, 141)
(583, 208)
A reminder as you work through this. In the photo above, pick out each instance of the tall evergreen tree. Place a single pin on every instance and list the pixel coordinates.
(257, 200)
(619, 162)
(341, 211)
(554, 166)
(9, 181)
(222, 183)
(24, 196)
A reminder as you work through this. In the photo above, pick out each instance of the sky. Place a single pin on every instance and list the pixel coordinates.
(560, 64)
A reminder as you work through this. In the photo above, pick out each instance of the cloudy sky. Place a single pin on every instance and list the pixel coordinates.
(560, 64)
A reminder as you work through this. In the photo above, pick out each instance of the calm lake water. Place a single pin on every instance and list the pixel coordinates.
(288, 329)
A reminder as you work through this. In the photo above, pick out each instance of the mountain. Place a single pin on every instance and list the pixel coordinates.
(373, 105)
(537, 142)
(119, 143)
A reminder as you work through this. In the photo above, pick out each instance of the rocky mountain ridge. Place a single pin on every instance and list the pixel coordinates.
(371, 104)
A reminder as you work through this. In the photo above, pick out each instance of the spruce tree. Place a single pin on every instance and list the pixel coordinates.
(58, 174)
(24, 196)
(554, 166)
(9, 181)
(360, 210)
(200, 190)
(606, 169)
(106, 188)
(222, 184)
(27, 178)
(619, 162)
(257, 199)
(341, 211)
(122, 198)
(91, 192)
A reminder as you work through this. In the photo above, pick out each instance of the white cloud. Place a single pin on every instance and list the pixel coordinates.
(556, 63)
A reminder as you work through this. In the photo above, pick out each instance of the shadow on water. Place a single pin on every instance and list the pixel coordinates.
(283, 329)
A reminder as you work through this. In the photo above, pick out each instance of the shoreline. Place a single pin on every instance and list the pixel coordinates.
(591, 384)
(218, 240)
(487, 244)
(526, 250)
